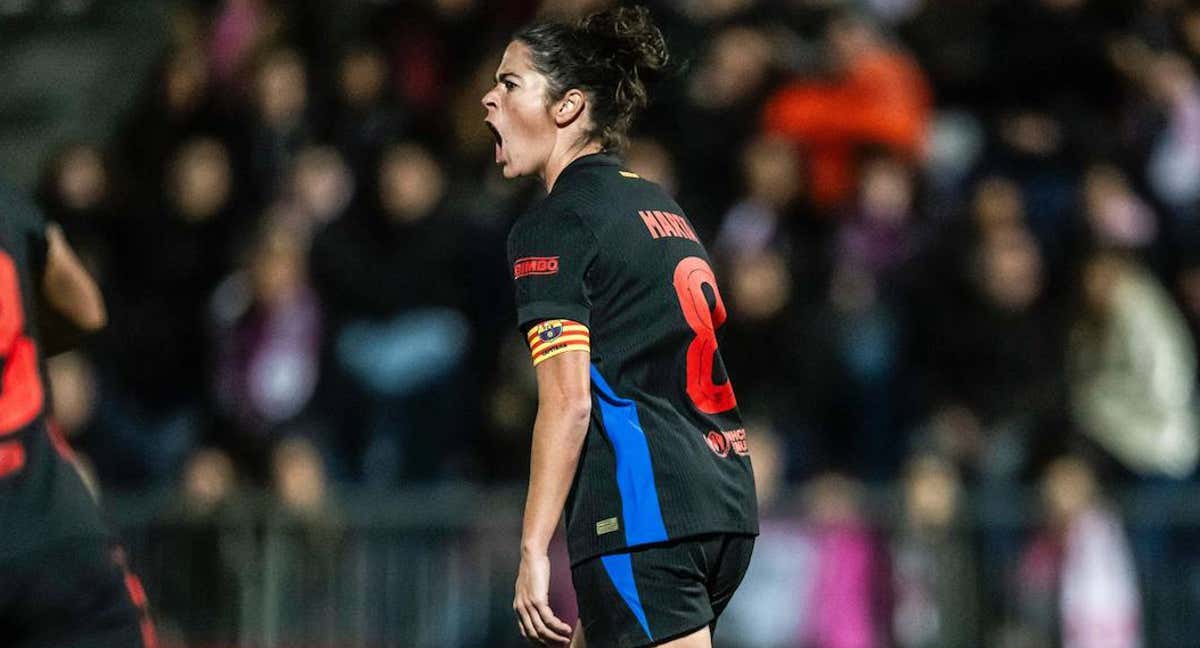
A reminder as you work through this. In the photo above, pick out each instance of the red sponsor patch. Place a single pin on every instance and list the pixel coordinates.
(737, 440)
(535, 266)
(718, 443)
(724, 441)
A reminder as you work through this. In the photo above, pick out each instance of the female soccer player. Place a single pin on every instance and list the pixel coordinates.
(637, 434)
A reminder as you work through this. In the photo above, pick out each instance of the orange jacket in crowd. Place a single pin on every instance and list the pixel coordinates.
(882, 99)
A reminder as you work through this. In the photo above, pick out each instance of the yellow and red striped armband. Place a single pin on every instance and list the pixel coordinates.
(553, 337)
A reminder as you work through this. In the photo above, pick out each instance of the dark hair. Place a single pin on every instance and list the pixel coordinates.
(609, 55)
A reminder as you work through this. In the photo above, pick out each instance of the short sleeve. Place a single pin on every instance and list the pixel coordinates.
(550, 254)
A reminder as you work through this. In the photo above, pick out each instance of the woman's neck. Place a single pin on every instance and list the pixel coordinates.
(560, 161)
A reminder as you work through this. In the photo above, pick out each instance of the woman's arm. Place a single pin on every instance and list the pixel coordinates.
(564, 409)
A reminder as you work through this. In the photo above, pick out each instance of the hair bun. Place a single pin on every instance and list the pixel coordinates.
(631, 37)
(610, 55)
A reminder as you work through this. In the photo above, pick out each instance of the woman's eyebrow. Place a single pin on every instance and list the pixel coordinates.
(501, 76)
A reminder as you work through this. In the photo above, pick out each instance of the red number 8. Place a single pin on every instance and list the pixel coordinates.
(690, 276)
(20, 385)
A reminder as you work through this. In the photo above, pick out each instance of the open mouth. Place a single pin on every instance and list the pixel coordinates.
(499, 139)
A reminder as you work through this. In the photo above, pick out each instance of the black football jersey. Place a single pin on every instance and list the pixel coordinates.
(42, 498)
(608, 262)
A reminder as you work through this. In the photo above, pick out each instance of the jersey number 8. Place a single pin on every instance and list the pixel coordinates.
(20, 385)
(691, 275)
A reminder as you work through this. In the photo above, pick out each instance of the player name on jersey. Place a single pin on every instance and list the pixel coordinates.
(662, 224)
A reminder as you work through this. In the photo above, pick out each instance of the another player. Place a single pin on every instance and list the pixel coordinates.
(62, 583)
(638, 433)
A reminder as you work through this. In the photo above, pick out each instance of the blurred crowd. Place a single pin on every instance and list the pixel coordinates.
(959, 243)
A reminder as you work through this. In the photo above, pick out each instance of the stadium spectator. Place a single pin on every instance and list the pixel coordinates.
(267, 325)
(1038, 44)
(871, 246)
(365, 115)
(1115, 216)
(321, 186)
(992, 360)
(390, 280)
(851, 589)
(197, 599)
(935, 573)
(280, 123)
(877, 96)
(166, 262)
(178, 102)
(307, 543)
(1173, 169)
(771, 204)
(878, 235)
(733, 73)
(1132, 370)
(73, 379)
(1076, 585)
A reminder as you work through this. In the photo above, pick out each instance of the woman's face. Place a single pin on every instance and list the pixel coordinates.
(518, 114)
(202, 180)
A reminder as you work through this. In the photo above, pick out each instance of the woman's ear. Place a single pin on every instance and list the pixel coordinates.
(570, 107)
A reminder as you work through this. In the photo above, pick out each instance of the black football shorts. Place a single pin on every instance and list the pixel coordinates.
(653, 594)
(75, 595)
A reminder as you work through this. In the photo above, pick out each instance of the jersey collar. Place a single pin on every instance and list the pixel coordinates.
(588, 161)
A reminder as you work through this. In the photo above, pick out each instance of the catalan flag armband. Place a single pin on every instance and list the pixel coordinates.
(553, 337)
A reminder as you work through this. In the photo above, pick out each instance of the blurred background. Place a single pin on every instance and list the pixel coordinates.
(959, 241)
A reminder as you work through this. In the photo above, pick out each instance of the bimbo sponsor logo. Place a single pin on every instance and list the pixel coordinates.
(535, 266)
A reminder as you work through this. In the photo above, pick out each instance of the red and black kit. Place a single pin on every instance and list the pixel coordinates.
(608, 264)
(64, 582)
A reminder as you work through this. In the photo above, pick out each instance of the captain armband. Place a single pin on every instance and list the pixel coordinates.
(553, 337)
